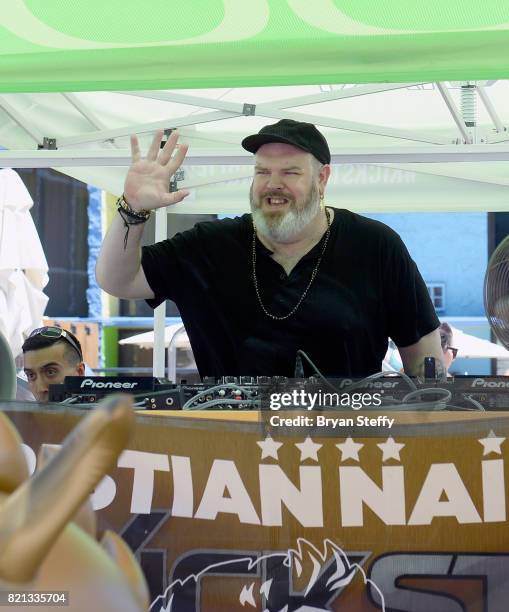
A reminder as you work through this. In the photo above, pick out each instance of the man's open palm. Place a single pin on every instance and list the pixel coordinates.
(147, 184)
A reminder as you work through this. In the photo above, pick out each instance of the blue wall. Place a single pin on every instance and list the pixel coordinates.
(448, 248)
(94, 246)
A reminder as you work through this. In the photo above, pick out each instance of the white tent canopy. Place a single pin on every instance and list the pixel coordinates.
(390, 142)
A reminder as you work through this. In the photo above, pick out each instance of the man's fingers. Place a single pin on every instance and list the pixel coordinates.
(135, 148)
(178, 158)
(167, 150)
(154, 147)
(174, 197)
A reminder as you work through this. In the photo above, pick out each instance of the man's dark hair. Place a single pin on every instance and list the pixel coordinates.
(38, 342)
(445, 335)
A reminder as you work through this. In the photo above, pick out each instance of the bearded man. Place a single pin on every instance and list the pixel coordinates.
(292, 275)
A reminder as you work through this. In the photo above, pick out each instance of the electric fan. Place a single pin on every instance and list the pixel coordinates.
(496, 292)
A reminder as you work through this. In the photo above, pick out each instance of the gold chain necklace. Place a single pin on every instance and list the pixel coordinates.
(313, 274)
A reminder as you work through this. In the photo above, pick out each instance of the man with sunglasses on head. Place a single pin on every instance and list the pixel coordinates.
(49, 355)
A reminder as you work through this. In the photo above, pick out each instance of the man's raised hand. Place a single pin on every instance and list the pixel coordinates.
(147, 184)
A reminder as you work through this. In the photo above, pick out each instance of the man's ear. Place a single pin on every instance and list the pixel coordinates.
(324, 175)
(80, 369)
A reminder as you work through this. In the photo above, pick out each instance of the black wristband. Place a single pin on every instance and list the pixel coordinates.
(129, 219)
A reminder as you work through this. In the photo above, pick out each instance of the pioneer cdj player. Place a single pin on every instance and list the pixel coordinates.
(90, 389)
(254, 393)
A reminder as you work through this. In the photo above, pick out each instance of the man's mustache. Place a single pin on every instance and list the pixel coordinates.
(276, 194)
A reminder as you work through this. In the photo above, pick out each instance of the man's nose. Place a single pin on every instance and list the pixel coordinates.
(41, 385)
(275, 182)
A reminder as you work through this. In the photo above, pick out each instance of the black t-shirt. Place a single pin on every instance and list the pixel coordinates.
(367, 289)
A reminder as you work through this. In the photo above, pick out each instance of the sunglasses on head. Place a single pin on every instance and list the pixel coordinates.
(56, 333)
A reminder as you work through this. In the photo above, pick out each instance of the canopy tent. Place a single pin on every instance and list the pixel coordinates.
(125, 44)
(408, 114)
(408, 124)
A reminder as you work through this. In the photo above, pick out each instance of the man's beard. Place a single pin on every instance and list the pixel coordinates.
(285, 225)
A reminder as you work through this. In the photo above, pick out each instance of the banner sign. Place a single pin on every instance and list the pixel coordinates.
(309, 511)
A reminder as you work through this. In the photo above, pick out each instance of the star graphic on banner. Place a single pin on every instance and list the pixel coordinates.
(390, 449)
(349, 449)
(491, 443)
(308, 449)
(269, 447)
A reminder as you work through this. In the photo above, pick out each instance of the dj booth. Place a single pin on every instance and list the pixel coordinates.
(306, 510)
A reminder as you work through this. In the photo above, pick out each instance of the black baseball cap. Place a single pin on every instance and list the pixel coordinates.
(297, 133)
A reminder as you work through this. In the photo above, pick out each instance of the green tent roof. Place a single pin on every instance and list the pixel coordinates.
(58, 45)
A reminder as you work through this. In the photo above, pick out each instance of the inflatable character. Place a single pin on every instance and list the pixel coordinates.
(47, 528)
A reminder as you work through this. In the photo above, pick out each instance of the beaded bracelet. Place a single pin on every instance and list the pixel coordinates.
(135, 214)
(130, 216)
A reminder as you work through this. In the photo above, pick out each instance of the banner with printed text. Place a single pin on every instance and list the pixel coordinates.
(394, 512)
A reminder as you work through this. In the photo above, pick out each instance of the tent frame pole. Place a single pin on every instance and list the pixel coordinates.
(84, 111)
(21, 121)
(140, 128)
(161, 233)
(237, 107)
(274, 110)
(352, 155)
(268, 110)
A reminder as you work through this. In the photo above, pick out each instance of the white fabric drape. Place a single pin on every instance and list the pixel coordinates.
(23, 265)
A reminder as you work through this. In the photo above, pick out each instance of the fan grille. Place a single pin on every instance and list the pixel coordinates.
(496, 292)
